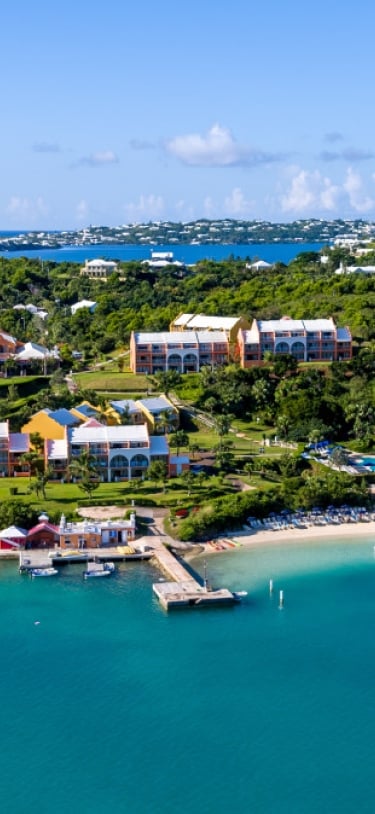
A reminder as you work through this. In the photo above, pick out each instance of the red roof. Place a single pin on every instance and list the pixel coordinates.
(43, 527)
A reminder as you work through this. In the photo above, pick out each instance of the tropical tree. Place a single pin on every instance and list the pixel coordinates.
(41, 481)
(158, 472)
(33, 461)
(85, 469)
(179, 439)
(189, 481)
(167, 380)
(222, 426)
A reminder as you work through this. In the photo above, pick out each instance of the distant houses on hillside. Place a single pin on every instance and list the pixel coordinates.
(11, 349)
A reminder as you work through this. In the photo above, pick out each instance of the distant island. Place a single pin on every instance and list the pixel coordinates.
(230, 232)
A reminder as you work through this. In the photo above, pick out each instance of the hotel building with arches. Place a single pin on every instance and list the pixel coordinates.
(308, 340)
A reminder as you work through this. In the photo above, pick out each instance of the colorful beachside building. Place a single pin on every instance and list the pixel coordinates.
(51, 424)
(12, 538)
(122, 452)
(308, 340)
(183, 351)
(43, 535)
(89, 534)
(124, 411)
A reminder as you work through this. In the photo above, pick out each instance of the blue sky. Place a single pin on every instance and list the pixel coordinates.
(114, 112)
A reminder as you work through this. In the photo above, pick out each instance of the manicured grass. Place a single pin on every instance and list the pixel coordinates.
(104, 380)
(68, 497)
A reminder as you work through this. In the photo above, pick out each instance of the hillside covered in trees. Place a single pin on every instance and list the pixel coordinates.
(139, 298)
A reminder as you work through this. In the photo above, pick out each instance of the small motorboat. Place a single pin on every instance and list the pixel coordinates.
(98, 569)
(43, 572)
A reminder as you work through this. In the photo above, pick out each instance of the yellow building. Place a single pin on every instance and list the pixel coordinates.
(51, 424)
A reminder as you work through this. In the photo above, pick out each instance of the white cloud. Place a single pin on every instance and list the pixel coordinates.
(216, 148)
(310, 191)
(353, 185)
(236, 204)
(26, 210)
(148, 207)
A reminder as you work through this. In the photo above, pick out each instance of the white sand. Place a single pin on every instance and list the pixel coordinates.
(313, 533)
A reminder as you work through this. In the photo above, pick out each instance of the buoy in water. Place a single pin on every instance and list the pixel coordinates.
(281, 600)
(36, 623)
(271, 586)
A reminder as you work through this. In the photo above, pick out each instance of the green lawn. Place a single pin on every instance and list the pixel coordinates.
(66, 498)
(111, 381)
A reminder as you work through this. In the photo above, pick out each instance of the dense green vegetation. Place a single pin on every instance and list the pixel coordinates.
(138, 298)
(299, 404)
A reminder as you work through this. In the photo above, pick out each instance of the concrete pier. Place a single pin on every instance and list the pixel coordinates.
(184, 590)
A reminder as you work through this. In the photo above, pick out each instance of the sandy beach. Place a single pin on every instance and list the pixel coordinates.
(293, 535)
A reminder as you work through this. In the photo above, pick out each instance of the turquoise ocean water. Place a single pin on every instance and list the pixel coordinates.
(111, 705)
(186, 253)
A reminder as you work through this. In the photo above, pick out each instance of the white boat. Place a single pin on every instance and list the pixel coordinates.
(43, 572)
(98, 569)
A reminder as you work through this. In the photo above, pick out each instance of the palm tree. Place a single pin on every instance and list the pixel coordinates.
(179, 439)
(32, 460)
(84, 467)
(223, 423)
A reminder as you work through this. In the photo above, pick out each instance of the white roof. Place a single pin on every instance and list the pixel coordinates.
(281, 325)
(13, 532)
(212, 336)
(91, 304)
(183, 319)
(156, 404)
(33, 351)
(261, 264)
(100, 263)
(125, 405)
(199, 321)
(165, 337)
(57, 450)
(365, 269)
(103, 434)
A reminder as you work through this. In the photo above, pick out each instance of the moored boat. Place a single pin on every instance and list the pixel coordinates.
(98, 569)
(43, 572)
